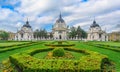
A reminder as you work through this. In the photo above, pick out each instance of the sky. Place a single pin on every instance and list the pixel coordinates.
(44, 13)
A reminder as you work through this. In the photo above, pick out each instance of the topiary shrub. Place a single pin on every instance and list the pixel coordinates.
(91, 62)
(58, 52)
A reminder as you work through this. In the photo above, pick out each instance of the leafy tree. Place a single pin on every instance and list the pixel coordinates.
(4, 35)
(84, 34)
(42, 33)
(72, 33)
(51, 35)
(36, 33)
(77, 32)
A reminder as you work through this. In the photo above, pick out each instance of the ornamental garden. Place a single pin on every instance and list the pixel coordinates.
(59, 56)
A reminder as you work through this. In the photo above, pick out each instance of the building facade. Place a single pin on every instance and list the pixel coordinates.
(95, 33)
(26, 33)
(114, 36)
(11, 36)
(60, 29)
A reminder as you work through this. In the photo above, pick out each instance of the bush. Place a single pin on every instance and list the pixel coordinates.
(37, 50)
(91, 62)
(58, 52)
(60, 44)
(17, 46)
(115, 48)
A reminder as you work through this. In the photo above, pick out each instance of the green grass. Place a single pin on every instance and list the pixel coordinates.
(76, 54)
(108, 43)
(114, 56)
(41, 55)
(11, 43)
(6, 54)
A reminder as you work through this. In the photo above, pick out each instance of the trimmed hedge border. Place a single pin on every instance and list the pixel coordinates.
(104, 46)
(18, 46)
(60, 44)
(57, 45)
(1, 47)
(91, 62)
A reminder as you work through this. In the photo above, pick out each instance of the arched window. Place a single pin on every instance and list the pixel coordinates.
(100, 35)
(22, 35)
(93, 37)
(105, 38)
(60, 37)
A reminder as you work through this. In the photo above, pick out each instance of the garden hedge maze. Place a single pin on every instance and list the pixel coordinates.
(90, 61)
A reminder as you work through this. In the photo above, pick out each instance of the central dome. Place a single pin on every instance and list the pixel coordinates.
(27, 25)
(94, 24)
(60, 20)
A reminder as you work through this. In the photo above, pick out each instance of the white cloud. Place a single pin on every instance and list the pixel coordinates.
(35, 7)
(83, 24)
(4, 13)
(75, 12)
(19, 24)
(45, 19)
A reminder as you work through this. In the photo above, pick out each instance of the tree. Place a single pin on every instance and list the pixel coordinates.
(84, 34)
(72, 33)
(79, 32)
(36, 33)
(42, 33)
(51, 35)
(4, 35)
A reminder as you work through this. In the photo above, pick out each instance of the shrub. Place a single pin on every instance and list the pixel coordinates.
(91, 62)
(60, 44)
(58, 52)
(37, 50)
(18, 46)
(115, 48)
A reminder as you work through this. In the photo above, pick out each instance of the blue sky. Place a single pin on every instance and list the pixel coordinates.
(44, 13)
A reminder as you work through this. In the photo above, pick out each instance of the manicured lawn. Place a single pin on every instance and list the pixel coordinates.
(6, 54)
(77, 55)
(41, 55)
(108, 43)
(11, 43)
(114, 56)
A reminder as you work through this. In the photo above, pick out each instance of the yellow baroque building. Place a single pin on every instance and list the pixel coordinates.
(114, 36)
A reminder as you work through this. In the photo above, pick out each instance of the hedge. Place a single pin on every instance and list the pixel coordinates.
(105, 46)
(58, 52)
(18, 46)
(1, 47)
(91, 62)
(60, 44)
